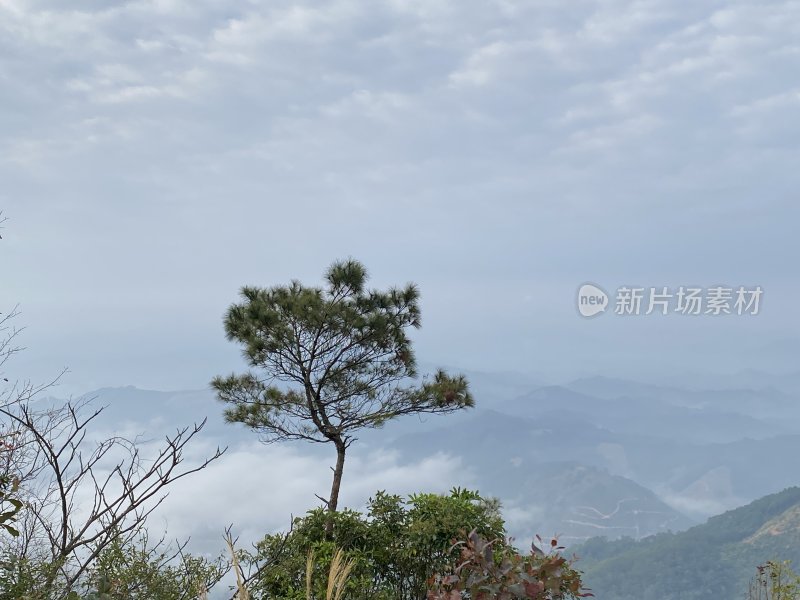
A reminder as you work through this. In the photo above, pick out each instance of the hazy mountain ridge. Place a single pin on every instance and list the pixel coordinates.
(660, 417)
(562, 460)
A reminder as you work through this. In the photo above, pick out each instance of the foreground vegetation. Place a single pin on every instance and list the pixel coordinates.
(404, 549)
(775, 581)
(433, 546)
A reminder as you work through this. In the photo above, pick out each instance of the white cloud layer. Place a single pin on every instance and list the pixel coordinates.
(258, 488)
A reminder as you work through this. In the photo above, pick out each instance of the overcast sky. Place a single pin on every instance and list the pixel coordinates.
(157, 155)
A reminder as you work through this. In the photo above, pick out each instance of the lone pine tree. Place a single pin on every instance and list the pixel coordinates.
(327, 362)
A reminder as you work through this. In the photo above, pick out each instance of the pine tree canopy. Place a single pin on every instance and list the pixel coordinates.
(328, 361)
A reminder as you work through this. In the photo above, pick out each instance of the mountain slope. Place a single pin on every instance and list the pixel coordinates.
(713, 561)
(549, 473)
(576, 502)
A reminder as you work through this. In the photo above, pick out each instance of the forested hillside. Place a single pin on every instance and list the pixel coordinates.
(713, 561)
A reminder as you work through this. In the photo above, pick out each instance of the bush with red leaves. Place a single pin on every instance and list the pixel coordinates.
(494, 570)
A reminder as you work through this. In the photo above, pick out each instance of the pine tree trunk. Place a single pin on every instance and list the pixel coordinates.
(333, 502)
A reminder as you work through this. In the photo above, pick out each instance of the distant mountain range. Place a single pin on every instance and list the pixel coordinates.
(713, 561)
(594, 456)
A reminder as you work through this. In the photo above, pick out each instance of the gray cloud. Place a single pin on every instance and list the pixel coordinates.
(156, 155)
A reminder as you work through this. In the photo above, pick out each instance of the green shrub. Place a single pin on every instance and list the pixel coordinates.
(135, 570)
(395, 547)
